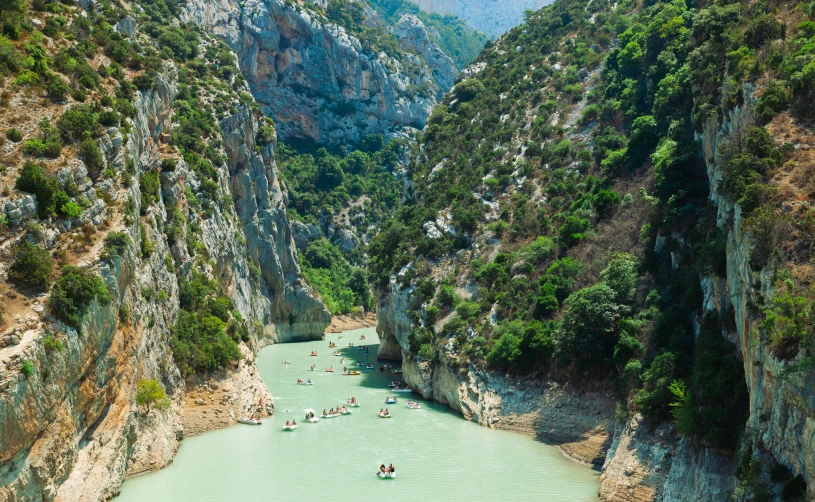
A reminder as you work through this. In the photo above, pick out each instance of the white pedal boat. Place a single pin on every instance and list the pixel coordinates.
(249, 421)
(289, 427)
(386, 475)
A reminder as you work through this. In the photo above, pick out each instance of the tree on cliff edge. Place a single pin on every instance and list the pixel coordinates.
(150, 394)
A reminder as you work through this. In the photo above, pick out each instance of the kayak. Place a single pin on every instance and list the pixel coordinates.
(289, 427)
(352, 373)
(329, 370)
(401, 390)
(390, 401)
(305, 383)
(386, 475)
(337, 354)
(249, 421)
(382, 415)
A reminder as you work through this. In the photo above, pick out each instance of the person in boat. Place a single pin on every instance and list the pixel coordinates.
(345, 369)
(325, 412)
(381, 411)
(387, 412)
(391, 468)
(288, 424)
(309, 380)
(366, 351)
(353, 400)
(294, 423)
(382, 469)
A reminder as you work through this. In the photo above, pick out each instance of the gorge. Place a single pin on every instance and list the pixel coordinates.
(597, 232)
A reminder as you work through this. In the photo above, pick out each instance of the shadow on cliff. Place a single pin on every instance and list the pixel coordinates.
(575, 442)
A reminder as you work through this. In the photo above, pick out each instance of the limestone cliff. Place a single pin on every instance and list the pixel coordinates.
(317, 80)
(493, 17)
(70, 428)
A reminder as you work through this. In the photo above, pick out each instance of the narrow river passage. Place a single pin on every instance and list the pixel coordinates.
(437, 454)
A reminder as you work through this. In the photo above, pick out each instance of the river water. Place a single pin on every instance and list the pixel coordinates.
(437, 454)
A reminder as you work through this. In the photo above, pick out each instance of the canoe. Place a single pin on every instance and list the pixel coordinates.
(386, 475)
(390, 401)
(249, 421)
(382, 415)
(352, 373)
(289, 427)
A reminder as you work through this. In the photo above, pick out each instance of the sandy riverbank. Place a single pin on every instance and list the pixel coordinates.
(340, 323)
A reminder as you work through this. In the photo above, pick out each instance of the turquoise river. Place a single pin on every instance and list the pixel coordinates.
(437, 454)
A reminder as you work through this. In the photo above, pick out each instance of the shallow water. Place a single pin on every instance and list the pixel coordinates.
(437, 454)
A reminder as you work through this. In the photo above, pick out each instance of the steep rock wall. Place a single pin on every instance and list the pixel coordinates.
(72, 431)
(315, 79)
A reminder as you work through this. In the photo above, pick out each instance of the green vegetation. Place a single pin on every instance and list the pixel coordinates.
(27, 369)
(150, 394)
(322, 185)
(206, 333)
(32, 266)
(73, 294)
(455, 37)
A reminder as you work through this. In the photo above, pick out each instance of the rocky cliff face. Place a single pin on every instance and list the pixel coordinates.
(314, 78)
(71, 430)
(493, 17)
(413, 36)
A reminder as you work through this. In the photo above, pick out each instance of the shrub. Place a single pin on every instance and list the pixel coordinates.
(74, 292)
(75, 122)
(655, 396)
(149, 185)
(589, 332)
(70, 210)
(468, 90)
(52, 344)
(419, 336)
(32, 266)
(14, 135)
(144, 82)
(109, 118)
(116, 243)
(92, 156)
(34, 180)
(56, 88)
(774, 99)
(150, 394)
(27, 369)
(168, 165)
(523, 346)
(200, 343)
(266, 135)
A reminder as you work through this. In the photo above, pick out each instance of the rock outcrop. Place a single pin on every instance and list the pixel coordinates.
(493, 17)
(413, 36)
(314, 78)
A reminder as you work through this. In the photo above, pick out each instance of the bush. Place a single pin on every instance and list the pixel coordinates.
(14, 135)
(655, 397)
(523, 346)
(34, 180)
(74, 292)
(57, 89)
(149, 185)
(75, 122)
(109, 118)
(52, 344)
(27, 369)
(427, 352)
(116, 243)
(32, 266)
(589, 331)
(200, 343)
(92, 156)
(70, 210)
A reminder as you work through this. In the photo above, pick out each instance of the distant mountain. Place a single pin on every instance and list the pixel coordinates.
(493, 17)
